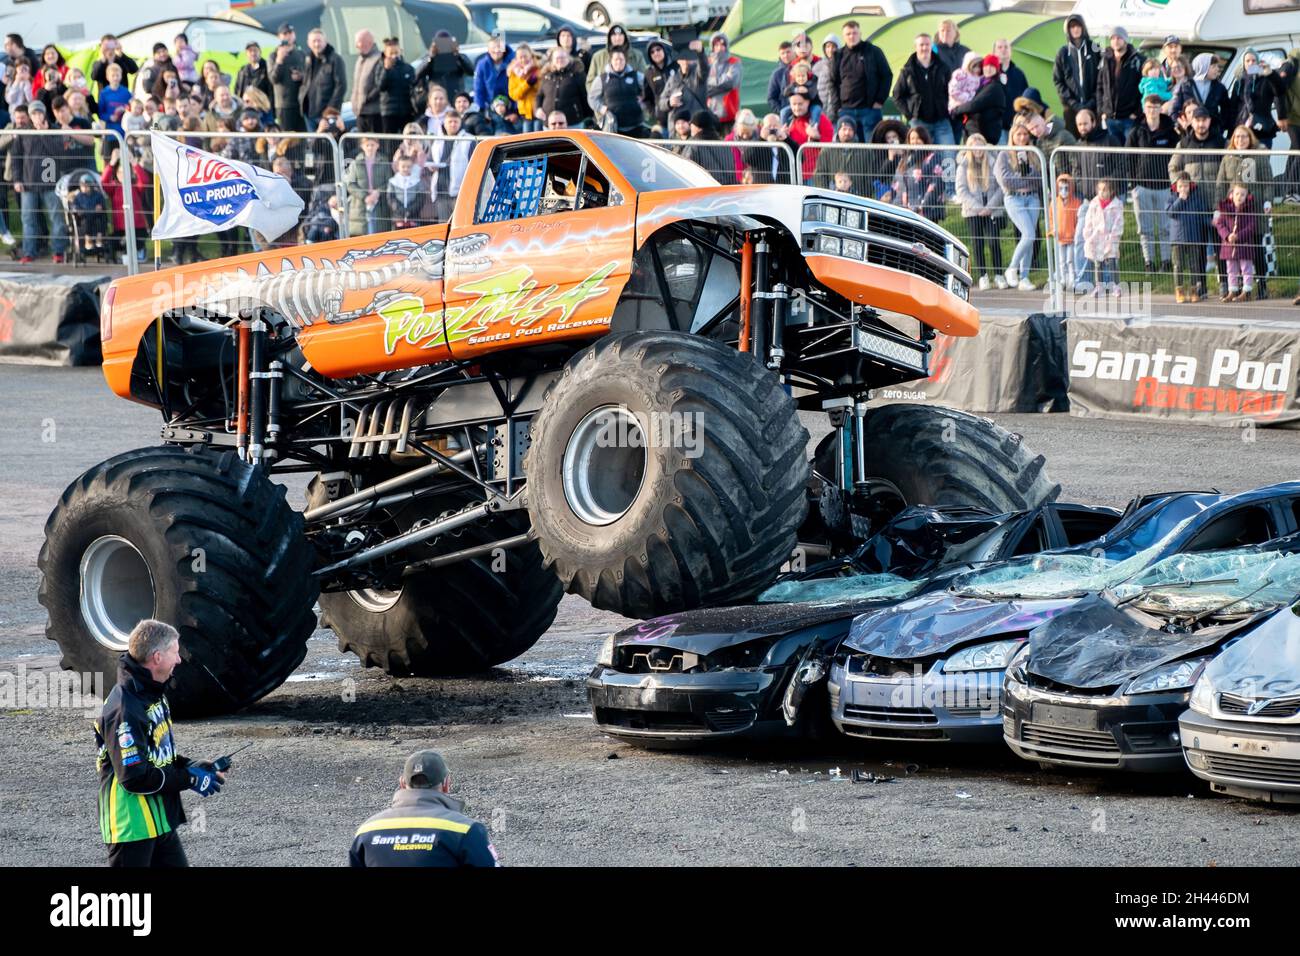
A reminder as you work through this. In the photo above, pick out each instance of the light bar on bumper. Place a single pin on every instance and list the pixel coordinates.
(896, 349)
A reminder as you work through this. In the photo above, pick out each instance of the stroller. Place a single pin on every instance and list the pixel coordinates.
(322, 224)
(85, 213)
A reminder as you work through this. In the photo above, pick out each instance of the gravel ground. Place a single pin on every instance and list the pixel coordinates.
(521, 745)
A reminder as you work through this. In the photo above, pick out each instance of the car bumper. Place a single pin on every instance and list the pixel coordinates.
(933, 706)
(1115, 733)
(688, 707)
(1243, 759)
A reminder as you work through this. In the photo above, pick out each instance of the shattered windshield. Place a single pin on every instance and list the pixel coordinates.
(839, 590)
(1241, 581)
(1062, 574)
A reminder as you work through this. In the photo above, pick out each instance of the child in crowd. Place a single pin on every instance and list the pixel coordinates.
(521, 82)
(1063, 220)
(18, 91)
(965, 83)
(88, 213)
(500, 117)
(136, 120)
(1154, 82)
(843, 182)
(1189, 231)
(407, 195)
(1102, 227)
(1236, 225)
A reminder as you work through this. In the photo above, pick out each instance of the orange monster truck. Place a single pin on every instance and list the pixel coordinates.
(587, 381)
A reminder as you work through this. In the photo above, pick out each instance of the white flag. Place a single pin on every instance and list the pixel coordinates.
(203, 193)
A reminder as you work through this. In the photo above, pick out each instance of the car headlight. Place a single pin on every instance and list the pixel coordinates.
(1202, 699)
(1019, 661)
(1173, 676)
(993, 656)
(606, 656)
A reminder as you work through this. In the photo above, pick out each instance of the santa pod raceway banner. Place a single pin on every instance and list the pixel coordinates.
(1208, 371)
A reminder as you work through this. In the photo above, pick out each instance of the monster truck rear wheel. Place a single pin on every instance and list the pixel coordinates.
(666, 472)
(458, 619)
(929, 455)
(198, 539)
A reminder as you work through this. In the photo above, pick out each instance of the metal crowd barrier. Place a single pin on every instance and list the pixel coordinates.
(56, 216)
(1164, 249)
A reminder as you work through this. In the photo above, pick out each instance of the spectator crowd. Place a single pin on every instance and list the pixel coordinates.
(1194, 213)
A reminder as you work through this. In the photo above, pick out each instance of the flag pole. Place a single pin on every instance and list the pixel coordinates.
(157, 264)
(157, 211)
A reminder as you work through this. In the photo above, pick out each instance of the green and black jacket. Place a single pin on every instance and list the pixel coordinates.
(140, 775)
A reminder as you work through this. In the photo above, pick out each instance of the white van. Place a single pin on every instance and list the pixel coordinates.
(1223, 27)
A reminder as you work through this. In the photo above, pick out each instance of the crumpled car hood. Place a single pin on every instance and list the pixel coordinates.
(706, 630)
(935, 623)
(1263, 664)
(1096, 645)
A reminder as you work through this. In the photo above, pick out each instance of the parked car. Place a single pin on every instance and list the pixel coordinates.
(1242, 729)
(633, 14)
(756, 670)
(537, 25)
(1103, 684)
(931, 668)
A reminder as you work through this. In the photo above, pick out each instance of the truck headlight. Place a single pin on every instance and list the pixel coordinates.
(1202, 699)
(1172, 676)
(828, 245)
(993, 656)
(606, 656)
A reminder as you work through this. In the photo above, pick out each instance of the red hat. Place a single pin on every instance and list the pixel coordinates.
(992, 60)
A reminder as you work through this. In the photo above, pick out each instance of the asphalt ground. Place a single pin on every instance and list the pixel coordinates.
(522, 748)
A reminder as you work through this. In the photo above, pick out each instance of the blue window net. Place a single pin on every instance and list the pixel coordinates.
(517, 192)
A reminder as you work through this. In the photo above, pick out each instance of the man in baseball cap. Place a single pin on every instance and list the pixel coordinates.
(424, 825)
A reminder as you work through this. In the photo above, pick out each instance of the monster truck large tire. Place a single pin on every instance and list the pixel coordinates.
(928, 455)
(199, 539)
(457, 619)
(704, 512)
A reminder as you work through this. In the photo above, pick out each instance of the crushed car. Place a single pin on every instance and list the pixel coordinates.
(931, 668)
(1241, 731)
(755, 670)
(1103, 684)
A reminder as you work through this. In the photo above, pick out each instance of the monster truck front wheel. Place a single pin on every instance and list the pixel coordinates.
(198, 539)
(665, 472)
(927, 455)
(457, 619)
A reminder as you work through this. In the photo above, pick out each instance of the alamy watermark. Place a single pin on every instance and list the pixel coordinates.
(681, 430)
(51, 690)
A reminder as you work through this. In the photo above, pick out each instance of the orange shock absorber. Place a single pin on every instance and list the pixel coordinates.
(241, 402)
(746, 289)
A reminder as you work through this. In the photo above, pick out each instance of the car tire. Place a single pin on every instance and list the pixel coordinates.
(702, 513)
(199, 539)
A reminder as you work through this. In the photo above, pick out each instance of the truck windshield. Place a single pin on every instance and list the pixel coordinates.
(649, 168)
